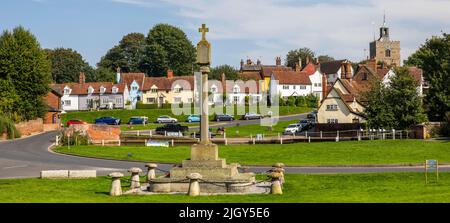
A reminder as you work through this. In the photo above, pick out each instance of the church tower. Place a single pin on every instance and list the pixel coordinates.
(385, 50)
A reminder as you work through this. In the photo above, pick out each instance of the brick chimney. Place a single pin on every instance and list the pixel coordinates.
(324, 86)
(342, 71)
(82, 78)
(372, 64)
(298, 67)
(222, 78)
(169, 73)
(242, 63)
(348, 70)
(278, 61)
(258, 62)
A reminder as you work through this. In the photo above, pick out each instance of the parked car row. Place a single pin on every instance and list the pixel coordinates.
(302, 125)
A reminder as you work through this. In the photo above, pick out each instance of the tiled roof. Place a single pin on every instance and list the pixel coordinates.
(128, 78)
(246, 87)
(251, 67)
(82, 89)
(417, 74)
(331, 67)
(291, 77)
(164, 83)
(268, 70)
(250, 76)
(309, 69)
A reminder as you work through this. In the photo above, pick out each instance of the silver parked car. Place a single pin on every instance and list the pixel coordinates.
(251, 115)
(166, 119)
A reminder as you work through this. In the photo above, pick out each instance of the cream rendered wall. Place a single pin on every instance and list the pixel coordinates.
(342, 114)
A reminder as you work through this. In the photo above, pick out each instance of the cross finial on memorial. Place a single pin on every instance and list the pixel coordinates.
(203, 30)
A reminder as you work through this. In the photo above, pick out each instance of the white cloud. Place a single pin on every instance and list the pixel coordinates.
(342, 29)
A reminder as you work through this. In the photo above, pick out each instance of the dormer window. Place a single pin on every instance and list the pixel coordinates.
(154, 89)
(236, 89)
(66, 90)
(115, 90)
(177, 89)
(364, 76)
(90, 90)
(102, 90)
(213, 89)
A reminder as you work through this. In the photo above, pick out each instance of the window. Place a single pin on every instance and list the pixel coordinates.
(102, 90)
(114, 90)
(151, 100)
(332, 107)
(90, 90)
(67, 102)
(154, 89)
(66, 90)
(177, 99)
(105, 100)
(293, 87)
(364, 76)
(388, 53)
(177, 89)
(332, 121)
(118, 100)
(134, 88)
(303, 87)
(236, 89)
(319, 85)
(285, 87)
(236, 99)
(213, 89)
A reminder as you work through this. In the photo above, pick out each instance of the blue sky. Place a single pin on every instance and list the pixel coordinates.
(261, 29)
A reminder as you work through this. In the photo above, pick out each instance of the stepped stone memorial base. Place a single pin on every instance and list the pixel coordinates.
(217, 176)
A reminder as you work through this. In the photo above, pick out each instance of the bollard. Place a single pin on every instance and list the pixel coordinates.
(279, 137)
(116, 187)
(138, 132)
(194, 135)
(135, 181)
(103, 142)
(151, 174)
(172, 142)
(393, 134)
(306, 134)
(150, 133)
(309, 139)
(145, 142)
(56, 141)
(279, 167)
(320, 134)
(224, 135)
(120, 141)
(281, 140)
(400, 134)
(276, 185)
(226, 142)
(194, 186)
(165, 133)
(253, 141)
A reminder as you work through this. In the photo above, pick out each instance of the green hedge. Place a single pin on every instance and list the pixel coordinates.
(7, 126)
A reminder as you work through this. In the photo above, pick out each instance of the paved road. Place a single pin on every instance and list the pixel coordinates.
(27, 157)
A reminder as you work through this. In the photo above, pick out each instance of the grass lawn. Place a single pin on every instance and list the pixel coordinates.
(247, 130)
(403, 152)
(299, 188)
(152, 114)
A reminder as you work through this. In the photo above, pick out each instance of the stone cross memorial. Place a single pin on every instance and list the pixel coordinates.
(216, 175)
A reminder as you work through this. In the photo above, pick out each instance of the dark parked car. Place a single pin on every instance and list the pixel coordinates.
(197, 135)
(306, 124)
(224, 117)
(138, 120)
(171, 128)
(311, 116)
(108, 121)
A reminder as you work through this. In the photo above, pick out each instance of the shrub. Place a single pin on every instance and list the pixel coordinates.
(7, 126)
(76, 139)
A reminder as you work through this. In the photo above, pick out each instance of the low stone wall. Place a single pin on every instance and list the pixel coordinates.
(101, 134)
(30, 127)
(51, 127)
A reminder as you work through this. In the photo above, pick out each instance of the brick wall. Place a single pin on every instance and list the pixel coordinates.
(30, 127)
(53, 100)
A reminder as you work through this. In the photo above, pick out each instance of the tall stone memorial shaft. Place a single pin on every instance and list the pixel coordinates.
(218, 177)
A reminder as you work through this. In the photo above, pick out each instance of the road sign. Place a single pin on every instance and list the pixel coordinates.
(431, 166)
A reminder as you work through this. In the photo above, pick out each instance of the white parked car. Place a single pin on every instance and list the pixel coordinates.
(292, 129)
(166, 119)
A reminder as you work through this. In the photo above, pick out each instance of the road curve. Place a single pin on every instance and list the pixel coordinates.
(26, 157)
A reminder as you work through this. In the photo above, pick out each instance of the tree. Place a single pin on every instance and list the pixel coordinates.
(433, 57)
(404, 100)
(127, 55)
(24, 65)
(67, 64)
(325, 58)
(395, 106)
(379, 113)
(230, 72)
(103, 75)
(168, 48)
(293, 56)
